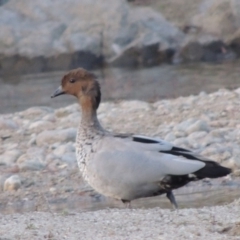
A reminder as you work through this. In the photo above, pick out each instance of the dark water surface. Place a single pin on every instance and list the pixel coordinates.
(20, 92)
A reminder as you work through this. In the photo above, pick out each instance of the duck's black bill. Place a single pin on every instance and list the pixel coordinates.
(58, 92)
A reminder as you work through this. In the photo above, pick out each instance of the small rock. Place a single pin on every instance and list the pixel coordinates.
(12, 183)
(69, 158)
(181, 142)
(179, 134)
(33, 153)
(10, 156)
(41, 125)
(49, 117)
(236, 156)
(52, 189)
(59, 151)
(50, 158)
(209, 151)
(32, 141)
(135, 105)
(50, 137)
(237, 173)
(183, 126)
(11, 146)
(208, 140)
(231, 163)
(31, 166)
(71, 120)
(55, 145)
(170, 137)
(195, 139)
(199, 125)
(35, 112)
(197, 135)
(7, 123)
(220, 133)
(63, 112)
(191, 51)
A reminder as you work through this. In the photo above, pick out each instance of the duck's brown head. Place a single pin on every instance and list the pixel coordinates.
(81, 84)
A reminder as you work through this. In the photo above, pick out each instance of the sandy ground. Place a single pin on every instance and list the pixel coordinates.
(220, 222)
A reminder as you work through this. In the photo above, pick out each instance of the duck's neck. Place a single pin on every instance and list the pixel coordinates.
(89, 120)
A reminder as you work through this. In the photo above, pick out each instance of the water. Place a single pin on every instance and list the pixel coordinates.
(20, 92)
(186, 197)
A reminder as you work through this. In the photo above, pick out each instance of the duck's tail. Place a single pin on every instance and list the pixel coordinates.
(212, 170)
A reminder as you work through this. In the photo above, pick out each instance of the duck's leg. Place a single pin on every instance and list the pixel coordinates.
(172, 199)
(127, 203)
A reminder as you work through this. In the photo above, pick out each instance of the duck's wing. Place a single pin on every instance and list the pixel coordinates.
(131, 169)
(166, 146)
(146, 159)
(212, 169)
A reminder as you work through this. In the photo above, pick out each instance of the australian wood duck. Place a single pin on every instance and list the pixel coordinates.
(127, 168)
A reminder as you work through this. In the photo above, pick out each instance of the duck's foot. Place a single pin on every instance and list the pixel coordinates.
(172, 199)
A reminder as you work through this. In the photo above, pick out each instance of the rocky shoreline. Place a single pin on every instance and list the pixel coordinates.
(38, 171)
(141, 34)
(37, 145)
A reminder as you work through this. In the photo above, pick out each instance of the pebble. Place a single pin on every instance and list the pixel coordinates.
(34, 153)
(33, 165)
(41, 125)
(181, 127)
(10, 156)
(195, 139)
(181, 142)
(49, 117)
(63, 112)
(135, 105)
(199, 125)
(237, 173)
(69, 158)
(50, 158)
(179, 134)
(71, 120)
(32, 141)
(170, 137)
(53, 136)
(36, 112)
(12, 183)
(236, 156)
(7, 123)
(60, 150)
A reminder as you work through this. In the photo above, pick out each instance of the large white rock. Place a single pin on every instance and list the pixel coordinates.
(220, 18)
(46, 28)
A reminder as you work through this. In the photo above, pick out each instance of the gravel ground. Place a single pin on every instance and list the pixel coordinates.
(220, 222)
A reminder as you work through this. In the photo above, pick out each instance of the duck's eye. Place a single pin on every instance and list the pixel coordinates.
(72, 80)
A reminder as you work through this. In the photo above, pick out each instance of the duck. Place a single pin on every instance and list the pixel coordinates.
(128, 167)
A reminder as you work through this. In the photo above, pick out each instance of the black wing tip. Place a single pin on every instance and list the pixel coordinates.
(178, 149)
(144, 140)
(213, 171)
